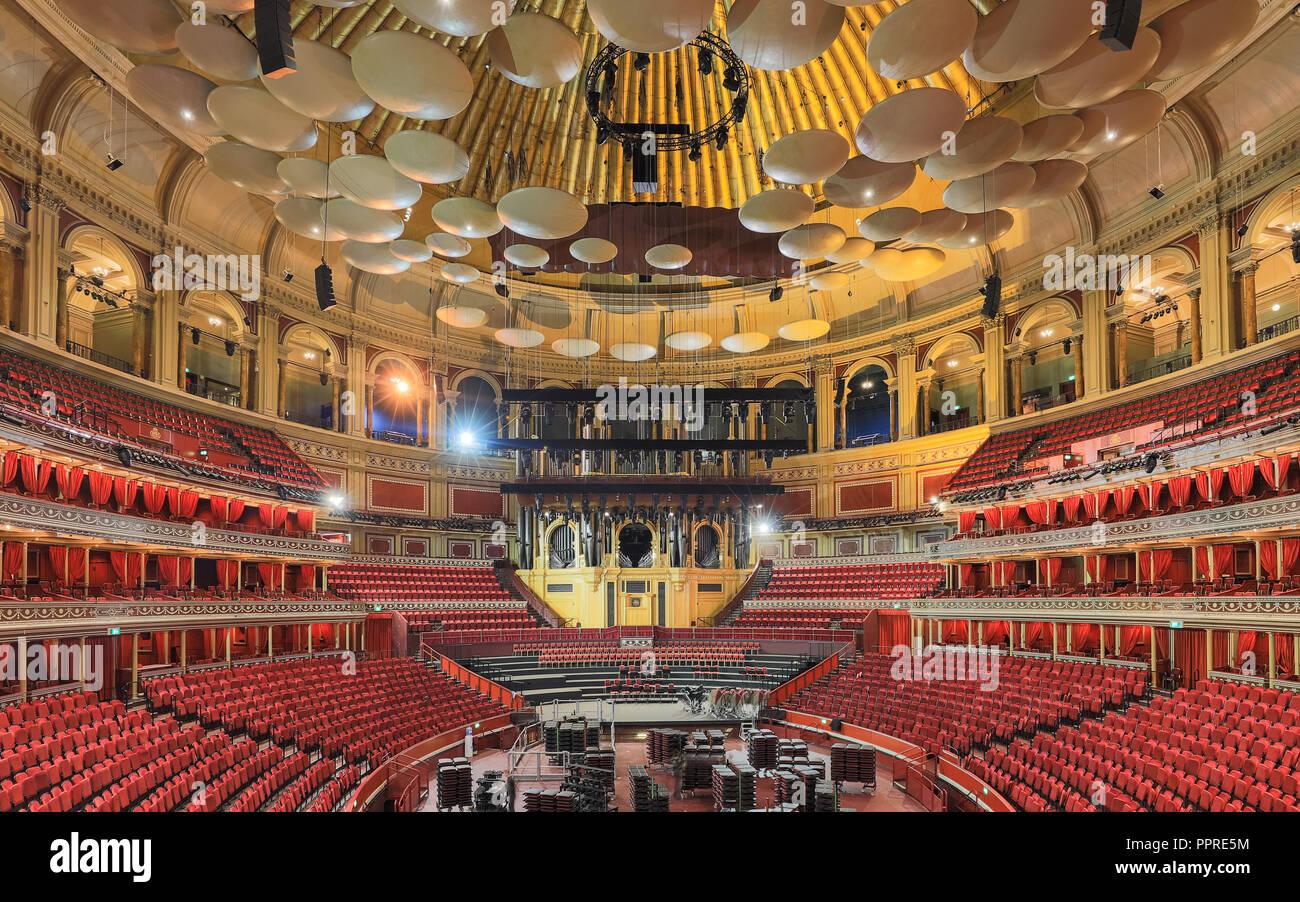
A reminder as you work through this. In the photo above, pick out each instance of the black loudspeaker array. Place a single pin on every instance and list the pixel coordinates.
(1122, 20)
(274, 37)
(325, 287)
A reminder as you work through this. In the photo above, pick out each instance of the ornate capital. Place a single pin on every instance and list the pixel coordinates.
(904, 346)
(1248, 270)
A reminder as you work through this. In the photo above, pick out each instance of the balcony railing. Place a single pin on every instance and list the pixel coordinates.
(1287, 325)
(1163, 368)
(100, 357)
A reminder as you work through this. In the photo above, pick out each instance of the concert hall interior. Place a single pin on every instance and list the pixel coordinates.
(699, 405)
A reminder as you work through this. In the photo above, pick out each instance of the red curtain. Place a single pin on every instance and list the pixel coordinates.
(76, 565)
(1124, 498)
(13, 558)
(185, 503)
(11, 467)
(1090, 567)
(36, 475)
(1290, 555)
(1144, 566)
(218, 506)
(1161, 558)
(1180, 489)
(1223, 563)
(1283, 468)
(101, 487)
(186, 571)
(270, 574)
(1216, 483)
(1284, 648)
(236, 510)
(1129, 637)
(1010, 514)
(306, 520)
(266, 514)
(1008, 571)
(1036, 511)
(228, 574)
(1203, 563)
(306, 577)
(118, 561)
(134, 563)
(281, 517)
(895, 628)
(1268, 558)
(995, 632)
(1072, 506)
(966, 521)
(1090, 506)
(1082, 636)
(1240, 478)
(154, 496)
(1202, 483)
(125, 489)
(167, 569)
(59, 563)
(69, 481)
(992, 518)
(967, 571)
(1266, 472)
(1049, 569)
(1189, 655)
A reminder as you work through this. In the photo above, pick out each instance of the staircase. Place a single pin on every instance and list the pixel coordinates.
(756, 583)
(509, 580)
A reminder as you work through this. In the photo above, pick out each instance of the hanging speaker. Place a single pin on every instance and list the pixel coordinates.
(1122, 20)
(325, 287)
(274, 37)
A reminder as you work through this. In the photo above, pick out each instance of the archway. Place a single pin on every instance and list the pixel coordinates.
(395, 403)
(867, 419)
(213, 326)
(708, 547)
(1277, 279)
(1047, 362)
(476, 412)
(956, 396)
(307, 366)
(561, 547)
(789, 420)
(104, 321)
(1157, 325)
(635, 545)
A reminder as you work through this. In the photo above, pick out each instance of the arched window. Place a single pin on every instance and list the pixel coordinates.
(101, 316)
(866, 412)
(395, 409)
(635, 546)
(787, 421)
(708, 551)
(476, 411)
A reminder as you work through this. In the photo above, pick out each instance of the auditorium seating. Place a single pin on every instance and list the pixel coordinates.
(717, 654)
(241, 453)
(795, 618)
(961, 714)
(378, 583)
(1196, 409)
(833, 582)
(457, 619)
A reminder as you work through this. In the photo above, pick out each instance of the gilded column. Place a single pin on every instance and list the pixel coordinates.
(281, 384)
(61, 309)
(182, 351)
(1249, 315)
(9, 251)
(1194, 321)
(246, 378)
(1017, 386)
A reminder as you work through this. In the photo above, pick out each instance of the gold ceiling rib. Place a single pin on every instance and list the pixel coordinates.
(558, 139)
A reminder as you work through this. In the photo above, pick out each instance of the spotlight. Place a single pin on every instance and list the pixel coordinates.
(706, 62)
(194, 334)
(1295, 247)
(721, 141)
(336, 501)
(465, 440)
(1033, 358)
(776, 293)
(324, 379)
(731, 80)
(114, 163)
(593, 99)
(248, 321)
(641, 62)
(24, 204)
(695, 154)
(288, 276)
(1066, 344)
(230, 349)
(325, 287)
(602, 134)
(501, 290)
(1158, 192)
(1243, 229)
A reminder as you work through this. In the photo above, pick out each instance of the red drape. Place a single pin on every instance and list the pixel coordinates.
(236, 510)
(1180, 489)
(306, 520)
(1129, 637)
(125, 489)
(134, 563)
(966, 521)
(1284, 649)
(1240, 478)
(967, 571)
(1008, 571)
(13, 558)
(1124, 498)
(1082, 636)
(167, 569)
(992, 518)
(1010, 514)
(1189, 654)
(1203, 563)
(266, 514)
(36, 475)
(218, 506)
(1161, 559)
(186, 571)
(153, 496)
(1283, 468)
(306, 577)
(59, 563)
(76, 565)
(1090, 506)
(1049, 569)
(1144, 566)
(270, 574)
(11, 467)
(186, 503)
(1072, 506)
(1090, 567)
(228, 574)
(281, 517)
(1223, 563)
(118, 561)
(1202, 483)
(1290, 555)
(1267, 472)
(1268, 558)
(1036, 511)
(69, 481)
(1216, 483)
(101, 487)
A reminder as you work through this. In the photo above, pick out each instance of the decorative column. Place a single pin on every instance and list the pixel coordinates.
(1249, 315)
(43, 263)
(281, 380)
(182, 353)
(1194, 321)
(1017, 386)
(924, 379)
(370, 407)
(140, 345)
(993, 379)
(1094, 344)
(245, 378)
(11, 249)
(825, 395)
(904, 385)
(1215, 308)
(893, 411)
(334, 401)
(1121, 353)
(980, 399)
(61, 308)
(1076, 348)
(419, 419)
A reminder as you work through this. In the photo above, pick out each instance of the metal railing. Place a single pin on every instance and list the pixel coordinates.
(1278, 329)
(100, 357)
(1163, 368)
